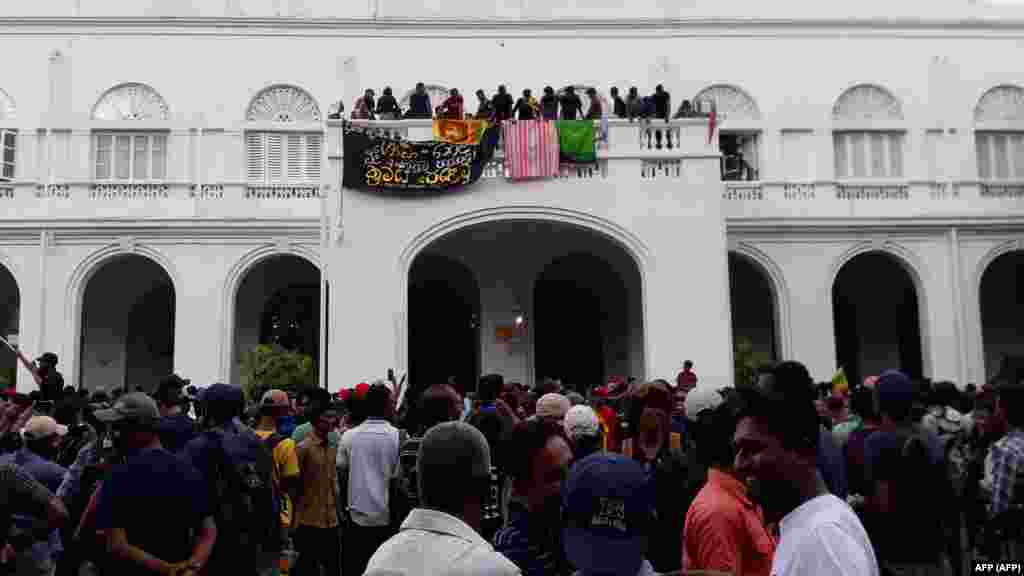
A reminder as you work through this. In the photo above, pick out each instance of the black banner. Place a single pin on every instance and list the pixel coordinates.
(373, 162)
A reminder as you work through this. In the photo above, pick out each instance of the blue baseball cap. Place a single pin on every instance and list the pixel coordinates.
(222, 394)
(895, 387)
(607, 507)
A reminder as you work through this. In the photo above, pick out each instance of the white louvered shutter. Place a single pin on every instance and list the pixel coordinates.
(275, 158)
(294, 157)
(256, 157)
(314, 144)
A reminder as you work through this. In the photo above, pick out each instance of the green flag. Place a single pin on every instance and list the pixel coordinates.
(576, 141)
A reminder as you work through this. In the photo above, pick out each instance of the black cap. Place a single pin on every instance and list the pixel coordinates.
(49, 358)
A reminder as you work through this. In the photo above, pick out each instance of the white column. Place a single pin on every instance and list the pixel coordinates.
(197, 305)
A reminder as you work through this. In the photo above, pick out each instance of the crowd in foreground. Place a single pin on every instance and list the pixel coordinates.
(776, 477)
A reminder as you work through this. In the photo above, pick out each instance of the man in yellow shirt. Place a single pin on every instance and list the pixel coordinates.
(273, 406)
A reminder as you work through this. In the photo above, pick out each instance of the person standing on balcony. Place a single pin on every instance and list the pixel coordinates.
(363, 109)
(526, 106)
(634, 104)
(618, 104)
(502, 105)
(387, 106)
(596, 109)
(572, 107)
(484, 108)
(685, 110)
(662, 103)
(451, 108)
(419, 103)
(549, 104)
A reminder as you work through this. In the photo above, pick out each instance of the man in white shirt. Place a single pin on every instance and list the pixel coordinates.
(368, 461)
(776, 455)
(441, 538)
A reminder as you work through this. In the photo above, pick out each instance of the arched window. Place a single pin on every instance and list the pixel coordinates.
(286, 147)
(868, 134)
(739, 133)
(135, 156)
(999, 134)
(8, 138)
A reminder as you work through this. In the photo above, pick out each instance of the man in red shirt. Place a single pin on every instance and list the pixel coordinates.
(724, 530)
(687, 379)
(451, 108)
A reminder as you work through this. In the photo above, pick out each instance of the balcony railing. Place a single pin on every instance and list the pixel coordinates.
(1002, 189)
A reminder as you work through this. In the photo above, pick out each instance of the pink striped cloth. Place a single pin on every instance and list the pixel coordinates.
(531, 148)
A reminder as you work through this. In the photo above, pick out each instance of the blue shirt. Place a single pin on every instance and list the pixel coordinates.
(535, 550)
(50, 475)
(160, 500)
(71, 485)
(832, 465)
(176, 431)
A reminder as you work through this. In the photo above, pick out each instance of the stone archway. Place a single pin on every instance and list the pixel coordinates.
(127, 325)
(277, 302)
(876, 314)
(755, 308)
(1002, 310)
(508, 258)
(10, 315)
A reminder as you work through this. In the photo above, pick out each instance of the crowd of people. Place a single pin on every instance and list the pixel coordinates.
(563, 104)
(779, 477)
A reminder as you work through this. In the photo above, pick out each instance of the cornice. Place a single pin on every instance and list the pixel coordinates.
(163, 231)
(917, 225)
(452, 27)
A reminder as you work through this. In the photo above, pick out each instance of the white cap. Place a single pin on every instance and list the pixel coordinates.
(40, 427)
(580, 421)
(701, 399)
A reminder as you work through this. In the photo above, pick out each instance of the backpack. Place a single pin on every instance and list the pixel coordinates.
(245, 501)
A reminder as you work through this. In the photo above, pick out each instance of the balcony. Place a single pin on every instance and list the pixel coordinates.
(871, 199)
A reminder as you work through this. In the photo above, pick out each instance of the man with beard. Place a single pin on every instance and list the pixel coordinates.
(776, 442)
(537, 456)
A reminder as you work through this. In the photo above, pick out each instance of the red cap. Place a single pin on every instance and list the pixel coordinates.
(344, 394)
(362, 389)
(601, 392)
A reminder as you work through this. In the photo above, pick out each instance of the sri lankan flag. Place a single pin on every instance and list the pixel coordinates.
(459, 131)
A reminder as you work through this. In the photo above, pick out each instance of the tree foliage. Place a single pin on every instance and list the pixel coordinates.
(269, 366)
(747, 361)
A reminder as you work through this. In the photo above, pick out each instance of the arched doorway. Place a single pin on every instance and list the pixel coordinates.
(581, 328)
(754, 309)
(876, 317)
(277, 304)
(10, 312)
(1002, 310)
(540, 287)
(127, 338)
(444, 323)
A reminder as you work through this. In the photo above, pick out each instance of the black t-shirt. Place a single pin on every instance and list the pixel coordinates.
(419, 105)
(503, 106)
(52, 388)
(525, 112)
(549, 106)
(571, 106)
(387, 104)
(620, 107)
(660, 104)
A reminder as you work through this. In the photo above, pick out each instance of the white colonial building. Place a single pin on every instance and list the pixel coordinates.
(170, 191)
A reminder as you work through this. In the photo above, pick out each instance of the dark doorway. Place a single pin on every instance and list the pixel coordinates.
(444, 323)
(876, 317)
(752, 301)
(1002, 311)
(291, 320)
(580, 329)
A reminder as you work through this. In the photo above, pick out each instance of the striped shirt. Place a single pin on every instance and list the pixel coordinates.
(1007, 461)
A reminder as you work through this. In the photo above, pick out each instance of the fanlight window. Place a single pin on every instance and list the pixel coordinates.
(1001, 104)
(284, 104)
(731, 102)
(132, 101)
(864, 103)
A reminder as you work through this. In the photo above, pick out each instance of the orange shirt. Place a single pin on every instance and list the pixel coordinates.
(725, 531)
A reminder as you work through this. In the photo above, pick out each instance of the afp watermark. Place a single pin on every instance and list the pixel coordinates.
(998, 568)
